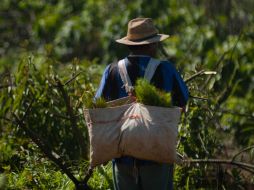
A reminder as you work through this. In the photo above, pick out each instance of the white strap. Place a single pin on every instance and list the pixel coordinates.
(149, 72)
(124, 75)
(151, 68)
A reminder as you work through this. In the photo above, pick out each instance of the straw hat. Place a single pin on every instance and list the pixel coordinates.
(141, 31)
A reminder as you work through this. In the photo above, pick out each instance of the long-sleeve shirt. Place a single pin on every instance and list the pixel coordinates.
(165, 78)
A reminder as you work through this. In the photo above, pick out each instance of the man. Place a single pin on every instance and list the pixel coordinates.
(142, 39)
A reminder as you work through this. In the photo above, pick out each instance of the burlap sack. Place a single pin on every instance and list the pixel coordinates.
(141, 131)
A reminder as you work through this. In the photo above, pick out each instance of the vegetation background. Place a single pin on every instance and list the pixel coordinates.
(53, 53)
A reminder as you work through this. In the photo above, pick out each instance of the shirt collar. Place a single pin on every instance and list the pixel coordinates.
(131, 55)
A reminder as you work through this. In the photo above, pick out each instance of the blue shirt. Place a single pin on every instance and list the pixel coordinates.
(165, 78)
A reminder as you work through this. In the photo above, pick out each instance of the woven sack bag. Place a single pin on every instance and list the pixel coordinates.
(133, 129)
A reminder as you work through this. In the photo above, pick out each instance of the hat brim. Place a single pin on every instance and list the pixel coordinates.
(157, 38)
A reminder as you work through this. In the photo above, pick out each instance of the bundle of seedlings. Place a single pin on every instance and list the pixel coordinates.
(91, 103)
(148, 94)
(145, 93)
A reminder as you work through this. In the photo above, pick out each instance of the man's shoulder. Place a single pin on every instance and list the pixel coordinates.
(113, 64)
(167, 65)
(112, 68)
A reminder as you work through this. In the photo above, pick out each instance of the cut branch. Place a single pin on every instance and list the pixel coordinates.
(200, 98)
(194, 76)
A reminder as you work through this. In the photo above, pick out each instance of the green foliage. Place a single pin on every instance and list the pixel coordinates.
(90, 102)
(38, 45)
(37, 174)
(102, 178)
(53, 110)
(100, 103)
(147, 94)
(3, 181)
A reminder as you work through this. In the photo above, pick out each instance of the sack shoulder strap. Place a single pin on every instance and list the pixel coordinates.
(149, 72)
(124, 75)
(151, 68)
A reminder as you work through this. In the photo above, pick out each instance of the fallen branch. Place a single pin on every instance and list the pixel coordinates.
(246, 169)
(242, 165)
(241, 151)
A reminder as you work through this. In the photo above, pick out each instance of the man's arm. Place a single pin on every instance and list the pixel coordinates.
(180, 91)
(102, 91)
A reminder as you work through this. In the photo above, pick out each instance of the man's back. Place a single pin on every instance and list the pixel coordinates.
(165, 78)
(142, 39)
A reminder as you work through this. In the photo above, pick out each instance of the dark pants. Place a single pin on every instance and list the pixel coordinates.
(142, 177)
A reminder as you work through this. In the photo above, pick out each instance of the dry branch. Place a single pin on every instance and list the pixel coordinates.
(194, 76)
(241, 151)
(43, 145)
(242, 165)
(200, 98)
(74, 77)
(72, 117)
(5, 86)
